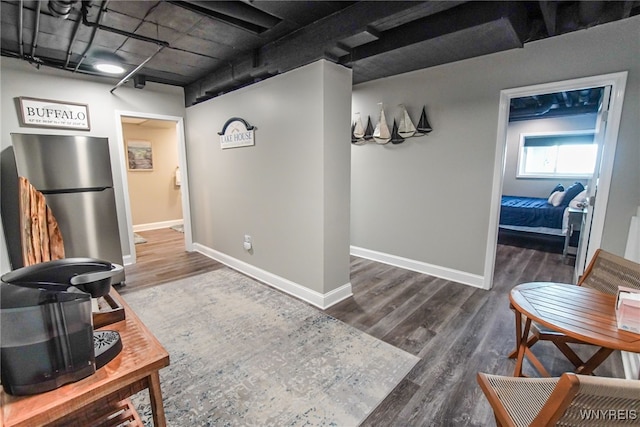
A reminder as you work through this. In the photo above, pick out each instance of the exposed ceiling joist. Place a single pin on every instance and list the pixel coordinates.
(549, 11)
(450, 21)
(213, 47)
(304, 46)
(239, 14)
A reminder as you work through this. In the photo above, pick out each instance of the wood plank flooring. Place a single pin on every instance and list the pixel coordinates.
(456, 330)
(163, 259)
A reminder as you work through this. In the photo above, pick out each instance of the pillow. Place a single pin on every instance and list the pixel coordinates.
(581, 197)
(559, 187)
(557, 198)
(580, 201)
(572, 192)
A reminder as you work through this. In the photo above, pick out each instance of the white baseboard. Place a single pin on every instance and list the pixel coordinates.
(322, 301)
(156, 225)
(127, 260)
(474, 280)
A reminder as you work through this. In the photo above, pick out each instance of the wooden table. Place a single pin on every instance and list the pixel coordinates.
(136, 368)
(578, 312)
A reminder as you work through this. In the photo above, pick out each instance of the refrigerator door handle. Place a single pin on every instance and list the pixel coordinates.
(74, 190)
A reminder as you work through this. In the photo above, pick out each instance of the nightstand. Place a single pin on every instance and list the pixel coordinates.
(576, 216)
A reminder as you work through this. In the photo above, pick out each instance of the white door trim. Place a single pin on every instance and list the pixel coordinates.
(182, 161)
(617, 81)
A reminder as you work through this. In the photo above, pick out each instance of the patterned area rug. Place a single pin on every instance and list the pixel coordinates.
(244, 354)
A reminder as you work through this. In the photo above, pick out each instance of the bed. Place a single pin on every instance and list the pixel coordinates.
(542, 215)
(532, 214)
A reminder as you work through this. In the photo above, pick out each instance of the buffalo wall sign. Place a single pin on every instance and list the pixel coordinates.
(236, 132)
(36, 112)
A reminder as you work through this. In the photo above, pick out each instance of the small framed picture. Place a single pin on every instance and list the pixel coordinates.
(139, 155)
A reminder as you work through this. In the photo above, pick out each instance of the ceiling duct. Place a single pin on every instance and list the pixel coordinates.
(61, 8)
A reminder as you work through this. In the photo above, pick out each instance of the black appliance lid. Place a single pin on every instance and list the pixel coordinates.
(60, 271)
(13, 296)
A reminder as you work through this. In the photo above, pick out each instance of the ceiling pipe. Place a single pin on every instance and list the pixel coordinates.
(20, 29)
(138, 68)
(97, 25)
(62, 9)
(72, 42)
(52, 63)
(545, 103)
(103, 7)
(36, 30)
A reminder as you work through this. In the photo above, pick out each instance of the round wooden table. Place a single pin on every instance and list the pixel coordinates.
(580, 313)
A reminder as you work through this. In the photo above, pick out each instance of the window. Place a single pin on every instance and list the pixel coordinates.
(558, 155)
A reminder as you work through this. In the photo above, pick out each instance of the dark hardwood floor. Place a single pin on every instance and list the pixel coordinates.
(163, 259)
(456, 330)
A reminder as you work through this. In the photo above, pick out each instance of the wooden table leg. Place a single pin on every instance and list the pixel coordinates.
(521, 341)
(535, 362)
(522, 336)
(518, 330)
(155, 395)
(595, 361)
(569, 354)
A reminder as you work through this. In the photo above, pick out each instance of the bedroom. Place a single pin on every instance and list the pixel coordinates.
(550, 158)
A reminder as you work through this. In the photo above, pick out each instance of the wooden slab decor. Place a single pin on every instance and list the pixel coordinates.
(40, 234)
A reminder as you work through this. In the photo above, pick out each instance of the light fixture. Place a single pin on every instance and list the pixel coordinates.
(108, 68)
(107, 62)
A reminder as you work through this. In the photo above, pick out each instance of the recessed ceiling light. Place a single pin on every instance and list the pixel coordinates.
(107, 62)
(109, 68)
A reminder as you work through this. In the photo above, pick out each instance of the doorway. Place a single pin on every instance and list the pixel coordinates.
(153, 160)
(617, 82)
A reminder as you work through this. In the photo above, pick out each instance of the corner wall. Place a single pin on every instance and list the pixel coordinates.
(289, 192)
(426, 202)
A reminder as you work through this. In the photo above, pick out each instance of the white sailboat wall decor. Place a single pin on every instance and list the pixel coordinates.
(382, 134)
(406, 129)
(357, 131)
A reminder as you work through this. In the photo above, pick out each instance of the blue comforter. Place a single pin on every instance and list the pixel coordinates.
(530, 212)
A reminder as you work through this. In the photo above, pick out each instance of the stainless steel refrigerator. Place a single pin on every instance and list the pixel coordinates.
(74, 174)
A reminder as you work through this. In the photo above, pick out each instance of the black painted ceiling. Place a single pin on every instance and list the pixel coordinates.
(558, 104)
(213, 47)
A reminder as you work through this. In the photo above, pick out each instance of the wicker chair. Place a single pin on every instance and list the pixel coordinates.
(604, 273)
(571, 400)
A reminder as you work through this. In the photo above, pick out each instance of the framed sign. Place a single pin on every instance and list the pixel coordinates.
(35, 112)
(139, 155)
(236, 132)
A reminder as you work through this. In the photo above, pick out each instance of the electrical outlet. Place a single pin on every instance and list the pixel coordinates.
(247, 245)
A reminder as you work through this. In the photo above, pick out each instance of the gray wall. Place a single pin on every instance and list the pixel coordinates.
(290, 191)
(538, 187)
(428, 199)
(18, 78)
